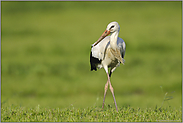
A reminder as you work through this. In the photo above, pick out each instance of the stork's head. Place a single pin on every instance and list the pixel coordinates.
(111, 27)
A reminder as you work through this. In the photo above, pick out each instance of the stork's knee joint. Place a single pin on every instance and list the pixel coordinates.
(111, 88)
(106, 86)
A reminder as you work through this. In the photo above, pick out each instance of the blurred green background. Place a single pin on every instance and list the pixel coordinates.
(46, 46)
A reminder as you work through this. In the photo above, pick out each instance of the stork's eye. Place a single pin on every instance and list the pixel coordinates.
(112, 27)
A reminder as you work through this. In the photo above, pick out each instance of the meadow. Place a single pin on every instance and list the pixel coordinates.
(45, 70)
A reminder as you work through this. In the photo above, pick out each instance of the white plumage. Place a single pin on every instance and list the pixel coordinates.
(99, 51)
(108, 52)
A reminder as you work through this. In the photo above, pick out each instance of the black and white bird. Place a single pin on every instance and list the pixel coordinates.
(108, 52)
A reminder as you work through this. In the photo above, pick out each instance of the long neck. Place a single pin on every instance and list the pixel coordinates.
(113, 39)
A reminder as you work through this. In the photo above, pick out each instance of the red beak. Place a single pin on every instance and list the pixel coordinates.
(106, 33)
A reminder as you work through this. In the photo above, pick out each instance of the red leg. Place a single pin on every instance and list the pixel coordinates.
(112, 91)
(105, 91)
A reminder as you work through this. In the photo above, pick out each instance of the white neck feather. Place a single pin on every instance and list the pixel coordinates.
(113, 39)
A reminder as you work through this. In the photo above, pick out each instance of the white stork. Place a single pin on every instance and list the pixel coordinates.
(108, 52)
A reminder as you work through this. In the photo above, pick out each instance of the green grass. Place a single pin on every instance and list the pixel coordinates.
(45, 49)
(91, 114)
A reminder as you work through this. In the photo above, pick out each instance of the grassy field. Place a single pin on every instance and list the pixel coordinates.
(91, 114)
(45, 68)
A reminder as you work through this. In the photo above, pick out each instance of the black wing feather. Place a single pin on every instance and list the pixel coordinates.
(93, 62)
